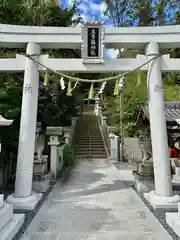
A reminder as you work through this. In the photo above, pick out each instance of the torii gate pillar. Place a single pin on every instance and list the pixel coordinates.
(163, 194)
(23, 198)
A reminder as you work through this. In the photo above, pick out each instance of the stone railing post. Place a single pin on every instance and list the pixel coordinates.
(96, 108)
(54, 133)
(54, 157)
(105, 129)
(60, 153)
(68, 135)
(104, 122)
(67, 138)
(73, 124)
(100, 112)
(114, 147)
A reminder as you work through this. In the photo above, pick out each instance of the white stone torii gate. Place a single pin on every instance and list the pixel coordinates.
(36, 38)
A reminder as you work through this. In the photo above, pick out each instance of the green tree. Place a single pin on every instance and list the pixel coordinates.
(50, 112)
(142, 13)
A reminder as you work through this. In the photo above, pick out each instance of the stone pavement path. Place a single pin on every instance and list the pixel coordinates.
(96, 203)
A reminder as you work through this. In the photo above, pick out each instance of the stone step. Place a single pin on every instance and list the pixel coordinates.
(12, 227)
(96, 142)
(87, 146)
(84, 133)
(87, 143)
(95, 149)
(89, 125)
(98, 154)
(90, 158)
(88, 153)
(93, 154)
(87, 135)
(91, 139)
(6, 213)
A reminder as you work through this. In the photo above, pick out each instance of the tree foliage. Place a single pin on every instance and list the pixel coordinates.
(55, 107)
(142, 13)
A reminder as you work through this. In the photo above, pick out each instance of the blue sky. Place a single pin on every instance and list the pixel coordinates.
(89, 9)
(93, 10)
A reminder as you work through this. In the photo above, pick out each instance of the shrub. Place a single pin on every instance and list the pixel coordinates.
(68, 156)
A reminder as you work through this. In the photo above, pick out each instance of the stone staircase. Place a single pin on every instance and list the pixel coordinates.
(88, 142)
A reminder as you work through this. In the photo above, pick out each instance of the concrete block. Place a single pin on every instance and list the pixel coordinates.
(6, 213)
(41, 186)
(162, 202)
(144, 185)
(12, 227)
(25, 203)
(173, 220)
(1, 200)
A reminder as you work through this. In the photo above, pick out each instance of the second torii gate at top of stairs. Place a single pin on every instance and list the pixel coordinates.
(151, 39)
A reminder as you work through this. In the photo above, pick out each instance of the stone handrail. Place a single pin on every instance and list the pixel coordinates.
(111, 140)
(103, 126)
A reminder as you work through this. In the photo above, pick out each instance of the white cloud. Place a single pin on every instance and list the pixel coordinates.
(113, 52)
(70, 3)
(103, 7)
(83, 8)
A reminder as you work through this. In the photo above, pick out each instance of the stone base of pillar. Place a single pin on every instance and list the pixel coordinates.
(24, 203)
(173, 220)
(143, 184)
(144, 176)
(162, 202)
(41, 183)
(9, 223)
(176, 179)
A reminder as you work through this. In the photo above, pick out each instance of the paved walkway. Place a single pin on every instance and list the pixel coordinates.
(96, 203)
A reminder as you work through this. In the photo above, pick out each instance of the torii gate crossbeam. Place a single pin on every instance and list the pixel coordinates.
(110, 65)
(13, 36)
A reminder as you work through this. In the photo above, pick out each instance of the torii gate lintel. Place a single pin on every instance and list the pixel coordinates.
(76, 65)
